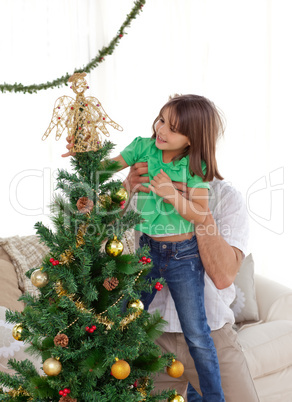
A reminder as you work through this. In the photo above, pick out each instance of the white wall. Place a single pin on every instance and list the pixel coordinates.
(235, 53)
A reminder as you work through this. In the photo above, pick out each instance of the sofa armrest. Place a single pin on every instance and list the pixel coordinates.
(274, 300)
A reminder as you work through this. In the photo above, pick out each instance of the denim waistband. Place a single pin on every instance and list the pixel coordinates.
(168, 245)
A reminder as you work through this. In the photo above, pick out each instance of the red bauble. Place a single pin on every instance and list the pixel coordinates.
(148, 260)
(52, 259)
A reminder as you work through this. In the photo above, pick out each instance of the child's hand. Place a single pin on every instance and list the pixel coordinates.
(69, 146)
(163, 186)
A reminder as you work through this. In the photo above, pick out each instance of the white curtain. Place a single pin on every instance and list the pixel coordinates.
(237, 53)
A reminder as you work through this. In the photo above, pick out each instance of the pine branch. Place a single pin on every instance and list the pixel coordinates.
(154, 326)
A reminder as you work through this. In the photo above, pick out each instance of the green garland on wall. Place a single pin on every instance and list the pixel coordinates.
(105, 51)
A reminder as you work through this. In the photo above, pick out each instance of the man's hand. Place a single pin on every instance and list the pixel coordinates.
(163, 186)
(69, 146)
(182, 188)
(133, 182)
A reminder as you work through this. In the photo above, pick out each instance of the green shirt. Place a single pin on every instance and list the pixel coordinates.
(160, 217)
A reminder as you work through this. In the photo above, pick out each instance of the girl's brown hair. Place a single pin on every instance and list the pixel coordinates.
(198, 119)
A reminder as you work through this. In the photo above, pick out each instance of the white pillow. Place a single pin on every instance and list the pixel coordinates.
(10, 348)
(245, 307)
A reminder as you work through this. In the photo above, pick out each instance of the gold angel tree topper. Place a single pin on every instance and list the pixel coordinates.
(83, 117)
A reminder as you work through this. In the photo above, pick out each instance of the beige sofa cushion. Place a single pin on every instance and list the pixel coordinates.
(9, 290)
(25, 253)
(267, 347)
(276, 387)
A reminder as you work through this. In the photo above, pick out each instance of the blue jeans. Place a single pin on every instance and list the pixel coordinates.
(180, 265)
(193, 395)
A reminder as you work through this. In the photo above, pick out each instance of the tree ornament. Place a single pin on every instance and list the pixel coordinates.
(67, 399)
(120, 369)
(90, 329)
(143, 384)
(87, 137)
(105, 321)
(80, 235)
(39, 278)
(176, 398)
(67, 257)
(104, 200)
(120, 195)
(17, 332)
(110, 283)
(176, 369)
(64, 392)
(138, 306)
(158, 286)
(85, 205)
(145, 260)
(52, 367)
(114, 247)
(16, 393)
(61, 340)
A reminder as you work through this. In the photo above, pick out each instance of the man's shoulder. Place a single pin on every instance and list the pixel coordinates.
(222, 185)
(223, 188)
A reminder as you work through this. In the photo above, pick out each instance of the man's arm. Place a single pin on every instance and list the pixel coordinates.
(134, 181)
(220, 260)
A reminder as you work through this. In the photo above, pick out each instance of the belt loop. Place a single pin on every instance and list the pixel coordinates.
(149, 241)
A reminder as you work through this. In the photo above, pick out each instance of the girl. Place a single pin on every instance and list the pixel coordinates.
(182, 148)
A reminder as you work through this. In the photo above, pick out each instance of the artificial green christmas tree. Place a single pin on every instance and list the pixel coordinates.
(88, 325)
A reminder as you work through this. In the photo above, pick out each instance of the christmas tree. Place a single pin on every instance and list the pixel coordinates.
(87, 324)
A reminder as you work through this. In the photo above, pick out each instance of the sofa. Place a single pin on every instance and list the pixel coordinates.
(262, 309)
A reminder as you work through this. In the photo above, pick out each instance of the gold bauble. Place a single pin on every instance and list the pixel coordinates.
(176, 369)
(120, 195)
(17, 332)
(136, 304)
(104, 200)
(120, 369)
(176, 398)
(52, 366)
(114, 247)
(39, 278)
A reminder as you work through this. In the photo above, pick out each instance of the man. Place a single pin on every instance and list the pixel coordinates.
(222, 241)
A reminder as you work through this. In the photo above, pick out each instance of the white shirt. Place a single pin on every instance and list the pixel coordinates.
(230, 214)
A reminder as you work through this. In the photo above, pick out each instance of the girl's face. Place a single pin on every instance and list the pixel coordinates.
(170, 141)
